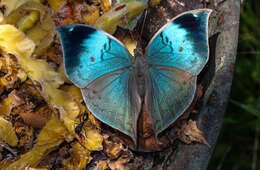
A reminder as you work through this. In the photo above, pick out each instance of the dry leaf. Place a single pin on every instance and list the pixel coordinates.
(40, 72)
(130, 44)
(56, 4)
(6, 106)
(51, 136)
(126, 162)
(112, 148)
(7, 133)
(79, 157)
(34, 18)
(5, 163)
(189, 133)
(119, 15)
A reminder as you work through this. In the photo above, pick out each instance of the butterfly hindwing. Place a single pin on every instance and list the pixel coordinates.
(114, 100)
(175, 56)
(90, 53)
(169, 92)
(101, 67)
(182, 43)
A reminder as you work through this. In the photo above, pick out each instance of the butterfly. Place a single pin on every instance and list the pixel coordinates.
(108, 76)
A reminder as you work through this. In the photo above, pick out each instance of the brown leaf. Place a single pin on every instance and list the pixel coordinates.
(25, 134)
(64, 16)
(126, 162)
(189, 133)
(112, 147)
(102, 165)
(31, 105)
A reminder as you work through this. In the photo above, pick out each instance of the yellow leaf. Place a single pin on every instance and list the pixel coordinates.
(56, 4)
(94, 140)
(11, 5)
(119, 15)
(7, 133)
(34, 18)
(15, 42)
(6, 106)
(51, 136)
(106, 5)
(92, 15)
(79, 158)
(154, 2)
(130, 44)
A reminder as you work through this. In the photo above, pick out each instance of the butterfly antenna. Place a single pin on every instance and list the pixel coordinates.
(145, 14)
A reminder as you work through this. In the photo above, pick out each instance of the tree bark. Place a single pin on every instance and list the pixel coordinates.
(216, 77)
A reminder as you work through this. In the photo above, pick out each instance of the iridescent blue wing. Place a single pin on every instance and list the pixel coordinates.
(101, 66)
(175, 56)
(90, 53)
(168, 94)
(113, 99)
(182, 43)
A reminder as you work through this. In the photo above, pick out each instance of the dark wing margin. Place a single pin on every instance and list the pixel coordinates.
(90, 53)
(182, 43)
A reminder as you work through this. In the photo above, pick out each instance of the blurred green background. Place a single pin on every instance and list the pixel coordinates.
(238, 144)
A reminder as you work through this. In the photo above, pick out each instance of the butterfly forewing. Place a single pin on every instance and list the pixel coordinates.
(175, 56)
(182, 43)
(90, 53)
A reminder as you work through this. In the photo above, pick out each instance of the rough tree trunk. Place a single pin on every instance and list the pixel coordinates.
(216, 77)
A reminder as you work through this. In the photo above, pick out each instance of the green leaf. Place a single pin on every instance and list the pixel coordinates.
(247, 108)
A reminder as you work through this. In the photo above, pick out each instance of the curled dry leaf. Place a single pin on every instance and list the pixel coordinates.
(56, 4)
(10, 5)
(34, 19)
(102, 165)
(112, 148)
(64, 16)
(189, 133)
(5, 163)
(32, 107)
(120, 15)
(51, 136)
(6, 106)
(91, 15)
(39, 71)
(106, 5)
(25, 135)
(90, 140)
(7, 133)
(126, 162)
(10, 73)
(79, 157)
(93, 140)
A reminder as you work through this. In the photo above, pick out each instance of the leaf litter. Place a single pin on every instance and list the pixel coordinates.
(40, 109)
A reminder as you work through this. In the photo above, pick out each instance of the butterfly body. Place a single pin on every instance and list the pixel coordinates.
(115, 85)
